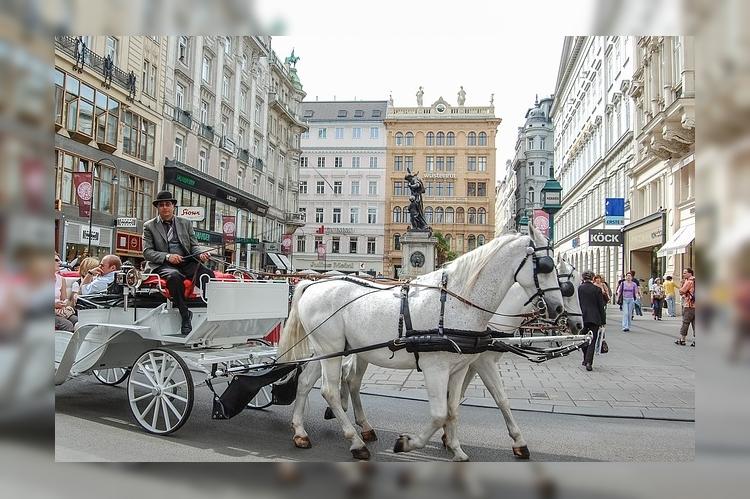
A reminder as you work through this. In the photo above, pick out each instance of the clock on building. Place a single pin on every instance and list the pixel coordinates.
(417, 259)
(440, 108)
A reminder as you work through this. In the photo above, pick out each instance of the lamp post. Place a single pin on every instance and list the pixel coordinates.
(523, 221)
(551, 202)
(115, 182)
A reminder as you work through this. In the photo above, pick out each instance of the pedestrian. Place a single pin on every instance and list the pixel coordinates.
(100, 278)
(687, 292)
(657, 298)
(670, 289)
(172, 251)
(619, 283)
(593, 306)
(601, 284)
(627, 293)
(637, 308)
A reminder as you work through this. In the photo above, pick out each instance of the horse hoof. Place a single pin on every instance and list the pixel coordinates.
(521, 452)
(401, 442)
(302, 442)
(369, 436)
(329, 414)
(362, 454)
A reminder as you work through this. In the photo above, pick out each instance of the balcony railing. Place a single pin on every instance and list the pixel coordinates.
(295, 219)
(207, 132)
(227, 144)
(258, 164)
(84, 56)
(244, 155)
(183, 117)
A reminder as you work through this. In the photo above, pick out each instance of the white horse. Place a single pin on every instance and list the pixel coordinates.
(330, 316)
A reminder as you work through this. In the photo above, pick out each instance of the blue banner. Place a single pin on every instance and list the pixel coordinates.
(614, 207)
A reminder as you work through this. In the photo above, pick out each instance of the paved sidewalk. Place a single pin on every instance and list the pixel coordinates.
(644, 375)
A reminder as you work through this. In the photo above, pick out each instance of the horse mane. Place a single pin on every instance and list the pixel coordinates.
(468, 267)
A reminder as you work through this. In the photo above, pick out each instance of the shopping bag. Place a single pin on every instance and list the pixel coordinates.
(599, 341)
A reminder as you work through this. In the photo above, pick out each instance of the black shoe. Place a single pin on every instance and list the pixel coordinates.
(589, 368)
(187, 325)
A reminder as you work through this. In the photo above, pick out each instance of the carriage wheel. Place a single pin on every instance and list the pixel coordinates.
(263, 399)
(160, 391)
(111, 377)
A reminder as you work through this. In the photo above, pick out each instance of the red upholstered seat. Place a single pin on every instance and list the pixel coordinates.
(155, 280)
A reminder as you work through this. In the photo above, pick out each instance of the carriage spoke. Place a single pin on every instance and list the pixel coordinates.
(169, 376)
(156, 415)
(155, 367)
(166, 414)
(175, 396)
(179, 383)
(172, 408)
(148, 408)
(144, 385)
(143, 397)
(145, 373)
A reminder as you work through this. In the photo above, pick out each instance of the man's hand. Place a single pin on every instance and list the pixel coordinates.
(175, 259)
(204, 257)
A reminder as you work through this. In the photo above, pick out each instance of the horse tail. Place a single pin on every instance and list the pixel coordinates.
(292, 344)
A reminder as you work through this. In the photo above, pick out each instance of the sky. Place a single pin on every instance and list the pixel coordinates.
(348, 67)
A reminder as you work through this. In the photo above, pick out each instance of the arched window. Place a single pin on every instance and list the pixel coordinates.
(397, 215)
(405, 217)
(472, 243)
(482, 139)
(449, 215)
(399, 139)
(459, 215)
(471, 139)
(472, 216)
(449, 240)
(397, 242)
(428, 214)
(409, 139)
(451, 139)
(439, 216)
(430, 140)
(480, 240)
(530, 197)
(440, 139)
(482, 216)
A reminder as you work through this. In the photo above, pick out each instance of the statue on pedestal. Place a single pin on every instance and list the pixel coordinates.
(461, 96)
(416, 207)
(420, 94)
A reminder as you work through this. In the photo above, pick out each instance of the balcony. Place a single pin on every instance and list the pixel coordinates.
(228, 144)
(183, 117)
(258, 164)
(294, 219)
(244, 156)
(207, 132)
(67, 45)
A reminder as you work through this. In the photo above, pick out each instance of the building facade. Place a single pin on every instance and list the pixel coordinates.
(593, 145)
(533, 159)
(108, 100)
(453, 150)
(660, 238)
(342, 187)
(505, 201)
(230, 132)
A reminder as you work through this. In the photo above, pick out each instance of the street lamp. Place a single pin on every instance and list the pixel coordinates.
(523, 222)
(551, 201)
(115, 182)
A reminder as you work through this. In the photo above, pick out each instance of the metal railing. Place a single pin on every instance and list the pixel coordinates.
(68, 45)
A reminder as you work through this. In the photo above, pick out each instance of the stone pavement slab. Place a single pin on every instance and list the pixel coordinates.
(644, 375)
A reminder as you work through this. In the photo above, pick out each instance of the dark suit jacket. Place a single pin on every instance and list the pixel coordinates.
(155, 246)
(592, 303)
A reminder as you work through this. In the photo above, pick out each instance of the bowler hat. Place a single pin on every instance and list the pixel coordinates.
(164, 196)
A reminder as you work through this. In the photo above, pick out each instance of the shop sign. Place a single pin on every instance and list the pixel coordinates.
(95, 234)
(286, 244)
(338, 230)
(648, 235)
(605, 237)
(193, 213)
(127, 242)
(247, 240)
(185, 180)
(127, 223)
(614, 211)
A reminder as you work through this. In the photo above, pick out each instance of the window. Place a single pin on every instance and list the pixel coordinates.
(321, 162)
(179, 96)
(399, 139)
(355, 161)
(322, 133)
(481, 189)
(471, 164)
(303, 162)
(376, 113)
(440, 139)
(357, 133)
(449, 215)
(472, 216)
(482, 165)
(300, 244)
(428, 214)
(225, 125)
(530, 142)
(258, 111)
(397, 242)
(182, 49)
(135, 196)
(303, 186)
(203, 160)
(355, 187)
(396, 217)
(303, 214)
(148, 79)
(204, 112)
(374, 132)
(352, 245)
(451, 139)
(398, 163)
(471, 189)
(359, 113)
(409, 138)
(226, 82)
(482, 139)
(179, 146)
(531, 196)
(459, 215)
(354, 215)
(318, 242)
(112, 48)
(372, 215)
(320, 187)
(439, 215)
(472, 242)
(373, 161)
(223, 170)
(440, 163)
(372, 188)
(541, 144)
(450, 163)
(339, 133)
(335, 244)
(370, 245)
(405, 214)
(398, 188)
(319, 215)
(471, 139)
(206, 69)
(336, 216)
(430, 139)
(430, 163)
(337, 186)
(481, 216)
(409, 162)
(241, 179)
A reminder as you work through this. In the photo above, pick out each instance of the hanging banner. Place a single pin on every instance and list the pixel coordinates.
(321, 250)
(84, 184)
(286, 244)
(541, 222)
(229, 227)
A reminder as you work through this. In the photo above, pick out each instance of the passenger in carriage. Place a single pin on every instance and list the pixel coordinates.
(172, 251)
(99, 279)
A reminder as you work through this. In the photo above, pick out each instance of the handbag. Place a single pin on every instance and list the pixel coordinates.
(605, 347)
(65, 311)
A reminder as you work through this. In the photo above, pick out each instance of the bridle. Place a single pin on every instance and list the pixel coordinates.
(542, 265)
(567, 288)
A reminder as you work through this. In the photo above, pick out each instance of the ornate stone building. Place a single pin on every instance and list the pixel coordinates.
(453, 149)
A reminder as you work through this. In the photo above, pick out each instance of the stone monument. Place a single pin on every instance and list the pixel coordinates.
(417, 244)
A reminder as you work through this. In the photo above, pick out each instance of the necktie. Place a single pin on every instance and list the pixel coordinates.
(170, 231)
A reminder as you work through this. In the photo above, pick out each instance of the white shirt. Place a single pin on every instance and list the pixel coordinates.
(98, 285)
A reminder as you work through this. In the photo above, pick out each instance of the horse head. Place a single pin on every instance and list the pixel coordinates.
(570, 279)
(537, 274)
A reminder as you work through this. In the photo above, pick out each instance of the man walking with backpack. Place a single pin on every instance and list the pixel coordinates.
(687, 291)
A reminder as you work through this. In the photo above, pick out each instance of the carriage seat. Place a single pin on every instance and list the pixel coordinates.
(190, 290)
